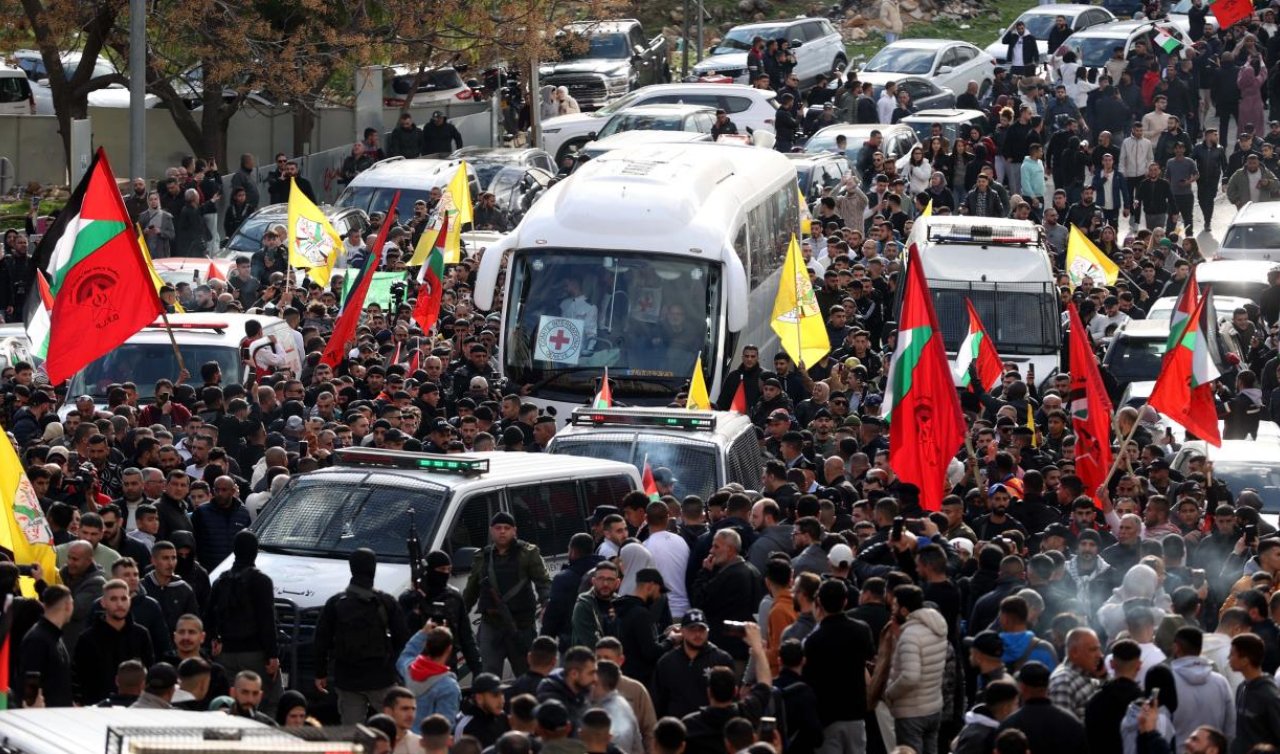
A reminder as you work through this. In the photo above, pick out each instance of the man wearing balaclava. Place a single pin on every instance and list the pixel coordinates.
(433, 598)
(241, 618)
(359, 636)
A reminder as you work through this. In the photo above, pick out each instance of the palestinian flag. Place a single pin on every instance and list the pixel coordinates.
(38, 323)
(650, 486)
(604, 398)
(426, 309)
(345, 328)
(978, 348)
(1090, 408)
(921, 404)
(1188, 301)
(1167, 41)
(1184, 390)
(101, 285)
(739, 402)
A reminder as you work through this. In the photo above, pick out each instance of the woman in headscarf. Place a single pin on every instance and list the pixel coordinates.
(565, 103)
(291, 711)
(631, 559)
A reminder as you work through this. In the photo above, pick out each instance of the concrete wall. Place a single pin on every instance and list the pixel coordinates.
(32, 142)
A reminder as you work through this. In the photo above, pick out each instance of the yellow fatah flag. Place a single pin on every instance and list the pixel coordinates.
(928, 209)
(1083, 258)
(23, 531)
(1031, 425)
(313, 243)
(151, 268)
(796, 317)
(453, 211)
(460, 191)
(806, 220)
(698, 398)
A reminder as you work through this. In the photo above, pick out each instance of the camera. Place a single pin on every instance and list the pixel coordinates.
(438, 613)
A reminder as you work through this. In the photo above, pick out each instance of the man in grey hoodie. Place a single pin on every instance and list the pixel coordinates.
(773, 536)
(1204, 696)
(999, 700)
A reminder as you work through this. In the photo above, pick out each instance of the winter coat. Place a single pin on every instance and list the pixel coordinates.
(919, 660)
(435, 689)
(1049, 728)
(1238, 187)
(404, 142)
(891, 16)
(680, 684)
(43, 652)
(215, 529)
(1257, 714)
(176, 599)
(556, 687)
(1250, 111)
(565, 588)
(776, 538)
(440, 138)
(1204, 698)
(592, 619)
(836, 652)
(730, 592)
(98, 655)
(638, 632)
(978, 736)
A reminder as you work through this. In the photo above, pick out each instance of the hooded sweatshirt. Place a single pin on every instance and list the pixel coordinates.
(919, 661)
(979, 732)
(433, 685)
(1139, 582)
(1216, 649)
(1204, 698)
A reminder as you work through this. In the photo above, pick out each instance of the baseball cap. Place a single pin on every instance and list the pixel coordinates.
(988, 643)
(600, 512)
(840, 556)
(693, 618)
(651, 576)
(486, 683)
(293, 424)
(663, 475)
(780, 414)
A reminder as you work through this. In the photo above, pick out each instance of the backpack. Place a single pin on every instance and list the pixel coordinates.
(233, 606)
(1025, 657)
(360, 632)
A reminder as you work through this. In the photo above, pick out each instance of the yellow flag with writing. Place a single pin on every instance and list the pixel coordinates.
(796, 317)
(313, 243)
(151, 268)
(698, 398)
(23, 532)
(1083, 258)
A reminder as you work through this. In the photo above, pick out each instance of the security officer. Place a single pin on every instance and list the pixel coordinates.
(511, 585)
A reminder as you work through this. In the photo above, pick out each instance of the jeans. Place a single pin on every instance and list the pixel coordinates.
(844, 737)
(498, 646)
(920, 733)
(1013, 176)
(1155, 221)
(1206, 193)
(354, 706)
(1185, 204)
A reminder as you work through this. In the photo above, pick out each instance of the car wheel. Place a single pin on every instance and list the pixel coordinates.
(570, 148)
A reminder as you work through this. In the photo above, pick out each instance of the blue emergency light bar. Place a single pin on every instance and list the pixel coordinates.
(672, 419)
(399, 459)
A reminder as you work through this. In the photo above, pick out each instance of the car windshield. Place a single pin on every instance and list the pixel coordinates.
(738, 40)
(145, 363)
(1249, 289)
(1263, 476)
(902, 60)
(378, 199)
(1134, 359)
(826, 142)
(1256, 236)
(1093, 52)
(610, 46)
(644, 316)
(1039, 24)
(1022, 317)
(642, 121)
(248, 237)
(692, 463)
(924, 130)
(334, 514)
(1183, 7)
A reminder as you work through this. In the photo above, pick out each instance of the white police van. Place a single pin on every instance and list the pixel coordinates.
(375, 498)
(705, 450)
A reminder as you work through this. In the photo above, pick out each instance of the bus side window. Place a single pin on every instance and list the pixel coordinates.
(740, 248)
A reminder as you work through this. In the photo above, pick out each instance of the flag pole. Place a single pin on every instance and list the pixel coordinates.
(1115, 462)
(173, 341)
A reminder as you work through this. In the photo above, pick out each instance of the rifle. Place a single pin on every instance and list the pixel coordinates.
(415, 551)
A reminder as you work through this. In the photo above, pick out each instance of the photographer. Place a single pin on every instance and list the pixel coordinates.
(432, 598)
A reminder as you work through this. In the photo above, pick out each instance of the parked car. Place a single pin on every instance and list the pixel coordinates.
(1095, 45)
(1041, 19)
(600, 61)
(1246, 278)
(898, 140)
(1241, 465)
(594, 149)
(816, 43)
(437, 86)
(1254, 233)
(693, 118)
(819, 171)
(747, 107)
(15, 92)
(925, 94)
(248, 237)
(951, 122)
(486, 162)
(946, 62)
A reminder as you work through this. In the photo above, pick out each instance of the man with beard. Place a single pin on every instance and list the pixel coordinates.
(434, 598)
(593, 613)
(998, 520)
(1092, 575)
(188, 643)
(642, 646)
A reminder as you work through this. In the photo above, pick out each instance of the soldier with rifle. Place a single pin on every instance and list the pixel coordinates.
(511, 585)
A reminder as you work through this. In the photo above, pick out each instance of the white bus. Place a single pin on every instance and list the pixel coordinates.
(640, 261)
(1005, 268)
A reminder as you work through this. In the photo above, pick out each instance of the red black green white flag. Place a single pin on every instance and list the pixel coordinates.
(100, 282)
(426, 310)
(1184, 390)
(345, 328)
(978, 348)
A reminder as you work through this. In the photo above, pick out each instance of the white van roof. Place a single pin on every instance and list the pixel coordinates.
(1012, 261)
(209, 328)
(725, 425)
(499, 469)
(83, 730)
(420, 173)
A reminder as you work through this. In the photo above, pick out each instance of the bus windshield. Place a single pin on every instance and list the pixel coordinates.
(646, 317)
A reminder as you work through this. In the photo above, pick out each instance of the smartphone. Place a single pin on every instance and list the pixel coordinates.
(26, 570)
(734, 628)
(30, 687)
(35, 203)
(303, 447)
(1251, 534)
(1154, 696)
(896, 533)
(768, 726)
(1197, 577)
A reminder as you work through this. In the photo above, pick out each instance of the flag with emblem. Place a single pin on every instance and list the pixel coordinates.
(1090, 408)
(452, 213)
(344, 329)
(1085, 259)
(604, 398)
(921, 404)
(24, 534)
(100, 283)
(1230, 12)
(977, 348)
(1184, 390)
(698, 398)
(426, 308)
(313, 242)
(796, 317)
(156, 280)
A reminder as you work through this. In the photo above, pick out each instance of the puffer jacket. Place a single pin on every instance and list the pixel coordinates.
(919, 661)
(434, 687)
(1204, 698)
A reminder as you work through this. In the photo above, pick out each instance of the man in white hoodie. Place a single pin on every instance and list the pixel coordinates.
(1216, 647)
(1204, 696)
(914, 690)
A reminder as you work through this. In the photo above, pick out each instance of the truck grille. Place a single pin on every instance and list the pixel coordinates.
(590, 91)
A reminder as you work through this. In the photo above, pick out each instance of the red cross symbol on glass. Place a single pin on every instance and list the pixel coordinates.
(560, 340)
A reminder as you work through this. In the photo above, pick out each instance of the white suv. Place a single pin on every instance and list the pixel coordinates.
(747, 108)
(816, 44)
(1254, 233)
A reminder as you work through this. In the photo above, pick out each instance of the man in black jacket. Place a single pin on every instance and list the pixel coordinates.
(1107, 708)
(836, 654)
(43, 652)
(241, 616)
(360, 629)
(110, 640)
(680, 677)
(434, 597)
(439, 135)
(642, 645)
(748, 375)
(1049, 728)
(706, 726)
(163, 584)
(727, 588)
(1257, 699)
